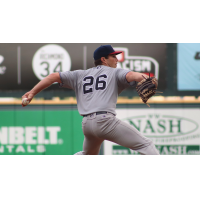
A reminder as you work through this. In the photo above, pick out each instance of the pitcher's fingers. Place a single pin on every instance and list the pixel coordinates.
(30, 97)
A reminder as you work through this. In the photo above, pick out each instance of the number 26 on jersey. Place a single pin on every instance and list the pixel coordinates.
(89, 82)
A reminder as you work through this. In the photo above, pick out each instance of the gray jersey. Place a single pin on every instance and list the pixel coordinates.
(97, 88)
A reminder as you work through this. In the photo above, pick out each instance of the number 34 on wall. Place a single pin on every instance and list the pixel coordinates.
(50, 58)
(47, 69)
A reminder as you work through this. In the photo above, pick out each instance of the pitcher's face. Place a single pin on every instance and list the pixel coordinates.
(112, 61)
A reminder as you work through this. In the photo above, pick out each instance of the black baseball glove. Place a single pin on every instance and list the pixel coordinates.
(147, 88)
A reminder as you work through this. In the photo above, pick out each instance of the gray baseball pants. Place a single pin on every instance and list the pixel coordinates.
(97, 128)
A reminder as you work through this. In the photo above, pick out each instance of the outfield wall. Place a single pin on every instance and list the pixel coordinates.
(54, 127)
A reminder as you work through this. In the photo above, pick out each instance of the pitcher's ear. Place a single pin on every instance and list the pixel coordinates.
(102, 59)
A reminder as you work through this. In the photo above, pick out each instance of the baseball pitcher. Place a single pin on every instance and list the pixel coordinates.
(97, 90)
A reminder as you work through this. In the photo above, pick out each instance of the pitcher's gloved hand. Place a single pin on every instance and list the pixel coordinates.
(147, 88)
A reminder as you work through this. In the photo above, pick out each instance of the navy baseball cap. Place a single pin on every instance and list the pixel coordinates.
(103, 51)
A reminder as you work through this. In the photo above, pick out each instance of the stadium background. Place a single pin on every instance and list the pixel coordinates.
(51, 123)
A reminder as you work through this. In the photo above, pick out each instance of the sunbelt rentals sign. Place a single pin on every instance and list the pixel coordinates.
(30, 139)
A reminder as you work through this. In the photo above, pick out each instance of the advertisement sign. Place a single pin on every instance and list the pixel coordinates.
(173, 131)
(188, 66)
(38, 132)
(143, 64)
(24, 65)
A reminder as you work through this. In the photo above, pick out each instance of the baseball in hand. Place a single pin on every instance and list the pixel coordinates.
(25, 102)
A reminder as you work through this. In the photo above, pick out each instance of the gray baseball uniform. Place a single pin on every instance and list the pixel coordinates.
(96, 91)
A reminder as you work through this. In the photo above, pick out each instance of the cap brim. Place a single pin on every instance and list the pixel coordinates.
(116, 52)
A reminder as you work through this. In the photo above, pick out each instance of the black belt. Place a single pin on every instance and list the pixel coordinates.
(97, 113)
